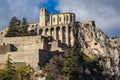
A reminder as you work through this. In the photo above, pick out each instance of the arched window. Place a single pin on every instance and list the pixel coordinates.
(51, 31)
(60, 19)
(64, 34)
(46, 31)
(70, 18)
(32, 26)
(53, 19)
(36, 25)
(40, 31)
(67, 18)
(69, 35)
(57, 33)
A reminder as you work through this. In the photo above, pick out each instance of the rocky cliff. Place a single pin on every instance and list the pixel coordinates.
(96, 44)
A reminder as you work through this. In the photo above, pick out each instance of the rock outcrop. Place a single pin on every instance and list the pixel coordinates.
(96, 44)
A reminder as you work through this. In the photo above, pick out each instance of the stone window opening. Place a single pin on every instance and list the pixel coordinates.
(36, 25)
(42, 9)
(83, 39)
(60, 19)
(3, 44)
(40, 31)
(86, 25)
(64, 34)
(1, 33)
(71, 18)
(66, 17)
(32, 26)
(46, 31)
(95, 43)
(51, 32)
(69, 35)
(57, 33)
(91, 34)
(53, 19)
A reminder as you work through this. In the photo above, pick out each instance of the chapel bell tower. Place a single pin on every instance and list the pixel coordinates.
(44, 17)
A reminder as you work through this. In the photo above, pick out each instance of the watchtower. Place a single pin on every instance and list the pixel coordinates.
(44, 17)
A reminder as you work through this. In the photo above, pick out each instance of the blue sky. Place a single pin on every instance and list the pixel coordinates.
(105, 13)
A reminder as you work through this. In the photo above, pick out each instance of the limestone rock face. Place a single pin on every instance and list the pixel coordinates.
(96, 44)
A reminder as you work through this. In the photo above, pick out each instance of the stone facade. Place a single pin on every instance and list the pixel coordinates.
(56, 32)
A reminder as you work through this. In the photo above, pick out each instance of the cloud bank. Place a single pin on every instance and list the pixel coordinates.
(105, 13)
(19, 8)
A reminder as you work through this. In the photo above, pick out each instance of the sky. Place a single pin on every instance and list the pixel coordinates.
(105, 13)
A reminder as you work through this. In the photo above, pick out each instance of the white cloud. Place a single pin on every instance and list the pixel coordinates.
(19, 8)
(105, 15)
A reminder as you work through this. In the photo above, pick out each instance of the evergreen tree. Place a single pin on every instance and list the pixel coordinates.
(24, 28)
(74, 65)
(21, 73)
(70, 64)
(13, 27)
(10, 71)
(17, 28)
(53, 69)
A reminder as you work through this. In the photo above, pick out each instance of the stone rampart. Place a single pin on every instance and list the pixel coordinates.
(29, 57)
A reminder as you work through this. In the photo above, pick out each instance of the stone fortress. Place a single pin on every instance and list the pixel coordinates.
(53, 34)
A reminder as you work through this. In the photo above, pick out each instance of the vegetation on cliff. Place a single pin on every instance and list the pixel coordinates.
(75, 65)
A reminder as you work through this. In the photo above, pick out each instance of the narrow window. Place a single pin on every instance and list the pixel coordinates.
(95, 43)
(53, 19)
(59, 18)
(66, 18)
(71, 18)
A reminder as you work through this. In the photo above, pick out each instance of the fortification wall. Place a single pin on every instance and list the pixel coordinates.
(4, 49)
(22, 40)
(27, 50)
(24, 43)
(30, 57)
(3, 58)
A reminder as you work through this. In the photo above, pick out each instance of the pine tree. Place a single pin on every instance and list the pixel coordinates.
(17, 28)
(10, 71)
(70, 64)
(13, 27)
(24, 28)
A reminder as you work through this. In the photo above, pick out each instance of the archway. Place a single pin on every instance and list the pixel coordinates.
(46, 31)
(57, 33)
(52, 32)
(69, 35)
(40, 31)
(64, 34)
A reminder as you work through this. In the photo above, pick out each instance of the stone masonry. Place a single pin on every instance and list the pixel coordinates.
(56, 32)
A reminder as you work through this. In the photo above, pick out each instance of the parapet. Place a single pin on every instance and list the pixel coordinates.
(92, 23)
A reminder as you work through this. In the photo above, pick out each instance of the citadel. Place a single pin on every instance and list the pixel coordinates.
(52, 35)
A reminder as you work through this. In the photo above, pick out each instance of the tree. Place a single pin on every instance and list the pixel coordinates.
(71, 63)
(21, 73)
(17, 28)
(10, 72)
(74, 65)
(13, 27)
(24, 28)
(53, 69)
